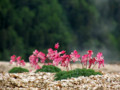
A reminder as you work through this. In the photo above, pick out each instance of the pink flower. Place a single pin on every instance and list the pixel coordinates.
(42, 60)
(41, 55)
(91, 61)
(50, 50)
(56, 61)
(101, 62)
(51, 54)
(56, 46)
(13, 59)
(90, 52)
(84, 59)
(100, 59)
(35, 52)
(62, 52)
(22, 62)
(18, 60)
(99, 55)
(74, 56)
(33, 60)
(55, 56)
(65, 60)
(37, 67)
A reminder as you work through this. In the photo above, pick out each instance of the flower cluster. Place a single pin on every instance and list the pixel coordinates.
(92, 60)
(55, 57)
(17, 60)
(34, 58)
(64, 60)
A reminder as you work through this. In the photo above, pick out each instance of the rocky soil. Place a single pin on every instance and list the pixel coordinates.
(110, 80)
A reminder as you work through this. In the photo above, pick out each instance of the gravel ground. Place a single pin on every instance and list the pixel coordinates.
(110, 80)
(45, 81)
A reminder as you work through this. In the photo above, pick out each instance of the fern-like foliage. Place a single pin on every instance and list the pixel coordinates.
(18, 70)
(49, 68)
(75, 73)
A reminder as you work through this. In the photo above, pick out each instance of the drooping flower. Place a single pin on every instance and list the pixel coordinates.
(55, 56)
(56, 46)
(41, 55)
(90, 52)
(62, 52)
(37, 67)
(100, 60)
(65, 60)
(50, 54)
(56, 61)
(99, 55)
(33, 60)
(84, 59)
(91, 61)
(74, 56)
(17, 60)
(22, 62)
(35, 52)
(13, 59)
(50, 50)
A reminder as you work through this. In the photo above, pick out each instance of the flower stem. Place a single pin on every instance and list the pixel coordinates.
(71, 66)
(81, 62)
(67, 68)
(86, 65)
(94, 65)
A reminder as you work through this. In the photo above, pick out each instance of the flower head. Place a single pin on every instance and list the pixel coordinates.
(37, 67)
(100, 60)
(84, 59)
(90, 52)
(13, 59)
(62, 52)
(41, 55)
(65, 60)
(35, 52)
(22, 62)
(33, 60)
(17, 60)
(56, 46)
(74, 56)
(91, 61)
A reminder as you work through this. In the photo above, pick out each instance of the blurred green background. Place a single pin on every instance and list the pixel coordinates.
(26, 25)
